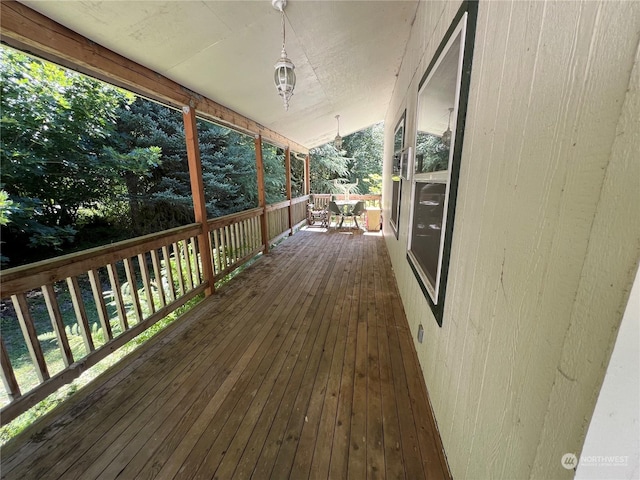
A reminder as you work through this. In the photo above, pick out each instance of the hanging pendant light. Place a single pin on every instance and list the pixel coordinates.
(284, 76)
(446, 136)
(337, 142)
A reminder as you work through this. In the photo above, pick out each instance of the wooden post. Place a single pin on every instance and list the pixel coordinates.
(287, 170)
(197, 191)
(262, 197)
(307, 174)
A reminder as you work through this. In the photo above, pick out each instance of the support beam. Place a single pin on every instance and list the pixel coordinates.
(287, 170)
(307, 174)
(32, 32)
(197, 190)
(262, 197)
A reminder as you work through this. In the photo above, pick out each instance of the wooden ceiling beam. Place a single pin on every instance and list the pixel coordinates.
(29, 31)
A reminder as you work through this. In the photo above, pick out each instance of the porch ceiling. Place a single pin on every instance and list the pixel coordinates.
(346, 53)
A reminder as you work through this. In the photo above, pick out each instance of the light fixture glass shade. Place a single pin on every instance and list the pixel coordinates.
(337, 142)
(285, 78)
(446, 137)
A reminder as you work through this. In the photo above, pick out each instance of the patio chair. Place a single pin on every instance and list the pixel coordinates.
(334, 210)
(316, 213)
(356, 211)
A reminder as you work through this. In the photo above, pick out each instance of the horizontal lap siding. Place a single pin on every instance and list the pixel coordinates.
(547, 88)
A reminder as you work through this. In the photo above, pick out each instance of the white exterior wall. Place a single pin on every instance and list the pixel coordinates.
(546, 239)
(612, 445)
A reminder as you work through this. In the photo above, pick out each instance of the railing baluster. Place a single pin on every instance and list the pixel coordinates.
(234, 243)
(255, 235)
(242, 226)
(196, 261)
(187, 263)
(216, 256)
(6, 371)
(58, 325)
(96, 288)
(155, 260)
(252, 224)
(144, 273)
(169, 272)
(117, 296)
(241, 240)
(133, 288)
(238, 242)
(178, 259)
(30, 336)
(223, 250)
(81, 313)
(230, 253)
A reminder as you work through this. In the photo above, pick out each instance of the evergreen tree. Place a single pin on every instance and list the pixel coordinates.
(162, 199)
(359, 160)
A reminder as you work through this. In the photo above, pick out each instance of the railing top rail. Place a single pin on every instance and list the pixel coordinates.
(277, 206)
(301, 199)
(232, 218)
(26, 277)
(368, 196)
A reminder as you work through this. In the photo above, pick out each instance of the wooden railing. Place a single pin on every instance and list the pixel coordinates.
(321, 200)
(116, 292)
(284, 217)
(132, 284)
(235, 239)
(299, 209)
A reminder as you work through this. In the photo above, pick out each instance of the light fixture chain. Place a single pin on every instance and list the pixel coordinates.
(283, 30)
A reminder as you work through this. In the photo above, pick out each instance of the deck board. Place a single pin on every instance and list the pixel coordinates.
(302, 367)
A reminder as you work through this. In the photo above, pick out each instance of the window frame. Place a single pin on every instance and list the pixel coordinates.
(463, 24)
(396, 180)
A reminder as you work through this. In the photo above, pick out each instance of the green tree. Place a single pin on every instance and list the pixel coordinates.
(364, 151)
(359, 160)
(431, 154)
(161, 198)
(55, 149)
(326, 165)
(274, 173)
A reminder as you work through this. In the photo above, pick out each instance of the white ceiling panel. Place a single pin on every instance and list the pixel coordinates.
(346, 53)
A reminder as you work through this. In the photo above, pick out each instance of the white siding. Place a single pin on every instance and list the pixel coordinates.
(547, 236)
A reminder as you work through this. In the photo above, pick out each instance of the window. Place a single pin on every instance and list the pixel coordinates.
(396, 188)
(441, 111)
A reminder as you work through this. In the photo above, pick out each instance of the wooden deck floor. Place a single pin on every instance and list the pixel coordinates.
(303, 367)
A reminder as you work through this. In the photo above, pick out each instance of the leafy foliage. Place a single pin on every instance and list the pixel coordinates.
(327, 165)
(360, 160)
(83, 161)
(56, 148)
(274, 173)
(431, 154)
(162, 198)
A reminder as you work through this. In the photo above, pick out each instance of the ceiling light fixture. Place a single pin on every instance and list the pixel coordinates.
(284, 75)
(337, 142)
(446, 136)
